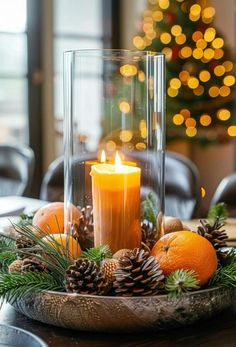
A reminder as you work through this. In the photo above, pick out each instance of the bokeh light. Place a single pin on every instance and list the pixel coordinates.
(138, 42)
(232, 130)
(193, 82)
(157, 16)
(164, 4)
(197, 53)
(176, 30)
(197, 35)
(208, 53)
(184, 76)
(219, 70)
(228, 65)
(126, 135)
(140, 146)
(175, 83)
(185, 113)
(165, 38)
(219, 53)
(204, 76)
(203, 192)
(110, 146)
(191, 131)
(180, 39)
(190, 122)
(128, 70)
(199, 90)
(224, 91)
(168, 53)
(205, 120)
(124, 107)
(195, 9)
(172, 92)
(186, 52)
(214, 91)
(223, 114)
(201, 43)
(229, 80)
(218, 43)
(178, 119)
(209, 35)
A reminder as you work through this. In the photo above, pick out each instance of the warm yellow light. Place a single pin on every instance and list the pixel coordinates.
(199, 90)
(175, 83)
(195, 9)
(190, 122)
(214, 91)
(141, 76)
(205, 120)
(103, 157)
(128, 70)
(165, 38)
(229, 80)
(153, 2)
(178, 119)
(157, 16)
(194, 18)
(209, 12)
(223, 114)
(172, 92)
(180, 39)
(118, 162)
(110, 146)
(203, 192)
(184, 76)
(228, 65)
(219, 70)
(151, 34)
(193, 82)
(185, 113)
(126, 135)
(197, 35)
(168, 53)
(140, 146)
(147, 27)
(197, 53)
(204, 76)
(209, 34)
(164, 4)
(124, 107)
(201, 43)
(208, 53)
(218, 53)
(218, 43)
(176, 30)
(138, 42)
(186, 52)
(225, 91)
(191, 131)
(232, 130)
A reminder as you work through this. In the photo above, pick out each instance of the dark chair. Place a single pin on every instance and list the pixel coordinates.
(226, 192)
(16, 169)
(182, 183)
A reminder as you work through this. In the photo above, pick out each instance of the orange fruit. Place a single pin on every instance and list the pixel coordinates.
(61, 242)
(50, 218)
(186, 250)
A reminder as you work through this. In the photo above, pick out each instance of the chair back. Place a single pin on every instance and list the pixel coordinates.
(16, 169)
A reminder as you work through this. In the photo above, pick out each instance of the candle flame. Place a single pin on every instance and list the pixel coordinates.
(118, 162)
(103, 157)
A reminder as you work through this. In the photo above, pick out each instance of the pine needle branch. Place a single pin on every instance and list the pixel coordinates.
(7, 243)
(225, 276)
(14, 286)
(25, 219)
(218, 211)
(181, 281)
(149, 209)
(6, 258)
(97, 253)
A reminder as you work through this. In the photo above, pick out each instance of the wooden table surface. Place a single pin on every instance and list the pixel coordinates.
(219, 331)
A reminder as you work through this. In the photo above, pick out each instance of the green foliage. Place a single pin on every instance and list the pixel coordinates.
(6, 258)
(97, 253)
(7, 243)
(14, 286)
(225, 276)
(25, 219)
(227, 256)
(218, 211)
(149, 209)
(181, 281)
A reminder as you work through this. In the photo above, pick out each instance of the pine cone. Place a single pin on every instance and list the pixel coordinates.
(107, 268)
(33, 264)
(138, 274)
(213, 232)
(85, 277)
(15, 266)
(84, 232)
(23, 243)
(149, 233)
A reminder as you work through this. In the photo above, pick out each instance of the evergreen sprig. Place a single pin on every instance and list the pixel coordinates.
(224, 276)
(25, 219)
(218, 211)
(14, 286)
(97, 254)
(6, 258)
(181, 281)
(149, 209)
(227, 256)
(7, 243)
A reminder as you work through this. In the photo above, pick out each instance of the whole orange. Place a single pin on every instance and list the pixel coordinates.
(186, 250)
(64, 243)
(50, 218)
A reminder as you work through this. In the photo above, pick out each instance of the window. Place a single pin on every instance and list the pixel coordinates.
(13, 71)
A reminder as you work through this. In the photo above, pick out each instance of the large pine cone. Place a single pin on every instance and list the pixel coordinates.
(213, 232)
(138, 274)
(84, 232)
(85, 277)
(34, 265)
(23, 243)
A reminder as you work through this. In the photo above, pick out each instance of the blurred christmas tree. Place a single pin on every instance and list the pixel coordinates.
(200, 79)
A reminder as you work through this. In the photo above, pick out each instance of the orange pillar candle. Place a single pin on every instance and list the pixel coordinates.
(116, 205)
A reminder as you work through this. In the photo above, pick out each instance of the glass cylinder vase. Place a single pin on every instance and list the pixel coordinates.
(114, 139)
